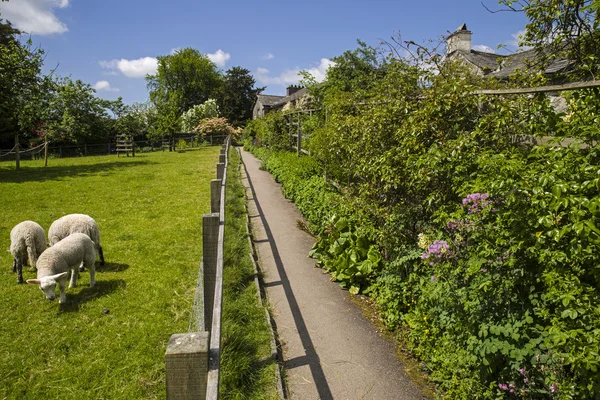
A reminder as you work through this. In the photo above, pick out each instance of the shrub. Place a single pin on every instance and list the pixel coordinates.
(214, 127)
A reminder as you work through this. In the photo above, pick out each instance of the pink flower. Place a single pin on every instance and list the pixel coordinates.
(553, 388)
(503, 386)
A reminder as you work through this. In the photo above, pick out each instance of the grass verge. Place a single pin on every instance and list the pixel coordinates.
(247, 371)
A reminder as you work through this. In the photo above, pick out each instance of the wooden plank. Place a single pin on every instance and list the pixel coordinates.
(542, 89)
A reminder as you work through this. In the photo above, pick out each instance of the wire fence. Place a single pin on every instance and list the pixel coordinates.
(177, 142)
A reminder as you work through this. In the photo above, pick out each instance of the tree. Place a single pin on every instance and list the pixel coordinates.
(563, 29)
(182, 80)
(76, 115)
(238, 95)
(24, 89)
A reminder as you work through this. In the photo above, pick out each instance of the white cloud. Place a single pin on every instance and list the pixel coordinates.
(484, 48)
(319, 72)
(516, 39)
(175, 50)
(104, 85)
(133, 68)
(268, 56)
(291, 76)
(35, 16)
(219, 57)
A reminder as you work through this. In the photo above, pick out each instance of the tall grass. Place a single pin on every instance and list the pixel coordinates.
(248, 372)
(107, 342)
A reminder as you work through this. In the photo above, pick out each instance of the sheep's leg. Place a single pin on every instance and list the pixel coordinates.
(19, 271)
(82, 267)
(14, 267)
(74, 274)
(101, 255)
(61, 285)
(92, 276)
(31, 256)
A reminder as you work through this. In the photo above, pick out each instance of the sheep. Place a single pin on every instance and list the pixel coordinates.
(66, 256)
(27, 239)
(69, 224)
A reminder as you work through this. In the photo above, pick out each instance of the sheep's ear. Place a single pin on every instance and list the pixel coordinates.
(57, 276)
(34, 281)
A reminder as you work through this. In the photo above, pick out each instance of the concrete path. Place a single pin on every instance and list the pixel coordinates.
(330, 350)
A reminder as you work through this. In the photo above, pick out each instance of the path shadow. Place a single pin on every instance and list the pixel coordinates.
(53, 173)
(311, 356)
(101, 288)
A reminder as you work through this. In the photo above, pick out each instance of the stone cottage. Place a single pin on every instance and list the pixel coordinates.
(295, 96)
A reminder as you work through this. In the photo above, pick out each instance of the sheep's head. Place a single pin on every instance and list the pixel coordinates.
(48, 284)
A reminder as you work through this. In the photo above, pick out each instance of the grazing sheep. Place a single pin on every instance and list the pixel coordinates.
(27, 239)
(54, 264)
(72, 223)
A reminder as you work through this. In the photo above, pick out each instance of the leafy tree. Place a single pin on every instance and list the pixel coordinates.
(7, 32)
(182, 80)
(77, 115)
(24, 89)
(238, 95)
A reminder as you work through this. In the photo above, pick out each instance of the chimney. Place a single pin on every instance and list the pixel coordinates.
(459, 40)
(290, 90)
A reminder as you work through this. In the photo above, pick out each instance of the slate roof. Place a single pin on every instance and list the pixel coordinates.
(484, 60)
(294, 96)
(269, 100)
(526, 60)
(501, 66)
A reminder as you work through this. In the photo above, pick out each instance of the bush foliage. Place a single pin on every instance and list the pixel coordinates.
(479, 245)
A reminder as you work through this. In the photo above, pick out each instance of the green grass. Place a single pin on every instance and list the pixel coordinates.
(149, 209)
(248, 372)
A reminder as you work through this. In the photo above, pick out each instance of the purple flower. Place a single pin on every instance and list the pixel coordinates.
(432, 278)
(476, 202)
(436, 251)
(503, 386)
(484, 270)
(522, 371)
(553, 388)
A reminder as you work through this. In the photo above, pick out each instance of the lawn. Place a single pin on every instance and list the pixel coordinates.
(107, 342)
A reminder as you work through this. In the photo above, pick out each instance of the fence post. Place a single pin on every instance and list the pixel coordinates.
(59, 151)
(186, 365)
(17, 152)
(210, 242)
(220, 170)
(85, 153)
(215, 195)
(299, 137)
(108, 149)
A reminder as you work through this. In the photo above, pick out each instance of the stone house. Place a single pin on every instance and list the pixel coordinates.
(295, 96)
(497, 65)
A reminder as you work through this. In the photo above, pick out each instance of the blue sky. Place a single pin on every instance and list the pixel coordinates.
(113, 44)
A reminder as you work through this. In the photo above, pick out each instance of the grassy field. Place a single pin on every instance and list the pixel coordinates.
(107, 342)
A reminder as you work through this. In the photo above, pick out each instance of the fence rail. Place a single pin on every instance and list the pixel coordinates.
(98, 149)
(193, 359)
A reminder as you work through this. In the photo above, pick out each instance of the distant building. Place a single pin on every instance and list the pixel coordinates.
(295, 96)
(497, 65)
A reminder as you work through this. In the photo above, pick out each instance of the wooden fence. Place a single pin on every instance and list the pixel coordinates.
(193, 358)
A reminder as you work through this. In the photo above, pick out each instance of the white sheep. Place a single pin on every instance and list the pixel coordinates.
(66, 256)
(72, 223)
(27, 240)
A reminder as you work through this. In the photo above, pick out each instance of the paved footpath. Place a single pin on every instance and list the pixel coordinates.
(330, 350)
